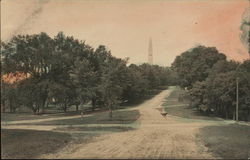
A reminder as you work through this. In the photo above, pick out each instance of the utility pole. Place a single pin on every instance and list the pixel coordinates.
(237, 99)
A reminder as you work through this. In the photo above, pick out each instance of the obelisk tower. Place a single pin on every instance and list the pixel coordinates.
(150, 51)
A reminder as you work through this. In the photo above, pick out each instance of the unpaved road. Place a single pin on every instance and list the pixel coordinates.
(156, 137)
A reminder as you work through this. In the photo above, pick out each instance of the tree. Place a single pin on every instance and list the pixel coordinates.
(30, 55)
(194, 64)
(113, 80)
(244, 90)
(70, 72)
(245, 29)
(69, 59)
(82, 77)
(10, 97)
(197, 94)
(218, 91)
(136, 84)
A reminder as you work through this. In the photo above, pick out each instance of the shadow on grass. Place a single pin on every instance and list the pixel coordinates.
(29, 116)
(119, 117)
(98, 129)
(138, 101)
(52, 112)
(228, 142)
(17, 143)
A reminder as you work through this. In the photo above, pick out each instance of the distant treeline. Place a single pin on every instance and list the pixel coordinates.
(65, 71)
(211, 81)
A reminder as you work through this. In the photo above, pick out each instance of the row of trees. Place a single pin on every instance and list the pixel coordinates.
(211, 81)
(65, 71)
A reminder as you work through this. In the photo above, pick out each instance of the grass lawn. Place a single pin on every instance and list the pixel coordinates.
(20, 143)
(229, 141)
(30, 116)
(182, 109)
(97, 129)
(17, 143)
(52, 111)
(119, 117)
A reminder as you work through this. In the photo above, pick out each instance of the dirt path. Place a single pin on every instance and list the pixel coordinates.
(157, 137)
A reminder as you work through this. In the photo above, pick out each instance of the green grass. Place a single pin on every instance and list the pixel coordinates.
(182, 109)
(50, 112)
(119, 117)
(17, 143)
(229, 141)
(30, 116)
(97, 129)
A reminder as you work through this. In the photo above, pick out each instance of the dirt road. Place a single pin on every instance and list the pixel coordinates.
(156, 137)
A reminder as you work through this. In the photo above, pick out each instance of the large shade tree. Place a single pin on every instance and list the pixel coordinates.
(194, 64)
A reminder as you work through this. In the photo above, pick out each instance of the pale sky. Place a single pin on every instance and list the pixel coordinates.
(125, 26)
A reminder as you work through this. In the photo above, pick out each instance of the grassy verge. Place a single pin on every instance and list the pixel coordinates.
(97, 129)
(119, 117)
(19, 143)
(52, 111)
(49, 113)
(16, 143)
(229, 141)
(174, 107)
(30, 116)
(137, 101)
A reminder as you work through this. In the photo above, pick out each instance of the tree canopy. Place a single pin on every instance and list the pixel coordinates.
(211, 81)
(194, 64)
(65, 71)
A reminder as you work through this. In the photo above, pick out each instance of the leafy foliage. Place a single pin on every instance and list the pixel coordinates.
(218, 91)
(65, 71)
(194, 64)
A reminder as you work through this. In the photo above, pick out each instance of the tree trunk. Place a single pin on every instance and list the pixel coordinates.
(10, 105)
(47, 104)
(34, 111)
(41, 110)
(77, 107)
(13, 110)
(43, 105)
(38, 110)
(82, 115)
(93, 104)
(110, 114)
(226, 110)
(3, 106)
(65, 107)
(248, 113)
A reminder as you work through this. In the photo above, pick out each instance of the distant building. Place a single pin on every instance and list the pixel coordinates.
(150, 52)
(14, 77)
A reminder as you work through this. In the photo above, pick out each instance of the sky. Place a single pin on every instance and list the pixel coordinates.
(125, 26)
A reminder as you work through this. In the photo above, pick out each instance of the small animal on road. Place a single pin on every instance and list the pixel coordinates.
(164, 114)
